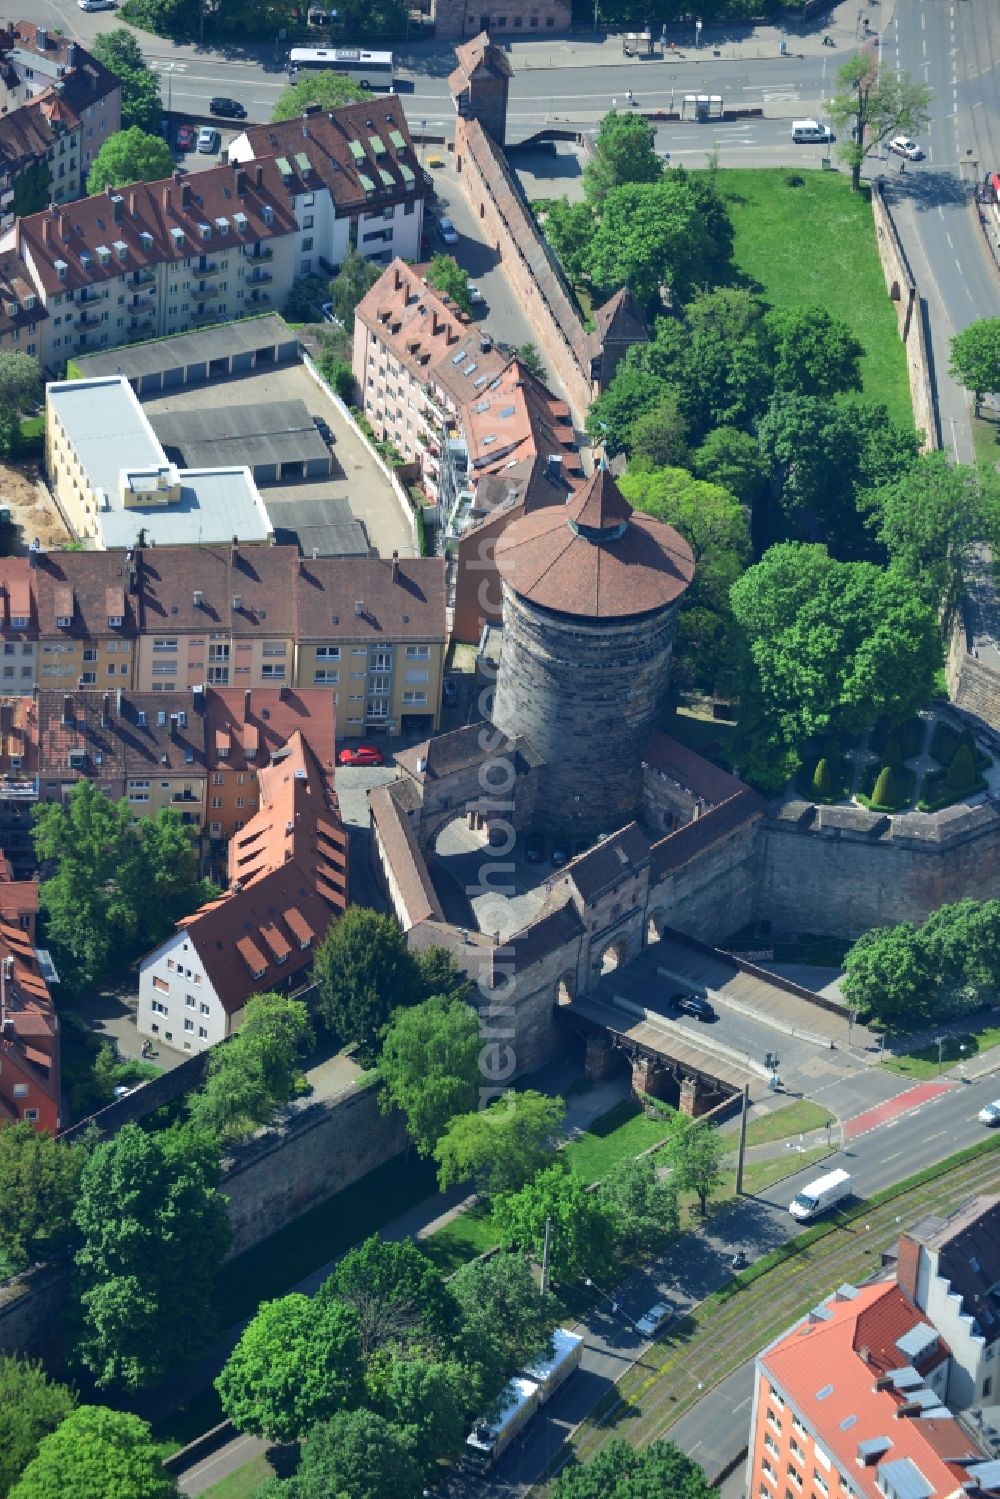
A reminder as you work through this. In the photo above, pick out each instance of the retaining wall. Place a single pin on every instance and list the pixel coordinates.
(910, 318)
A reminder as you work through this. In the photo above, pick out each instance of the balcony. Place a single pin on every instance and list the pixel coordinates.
(176, 797)
(199, 319)
(260, 254)
(210, 268)
(259, 299)
(138, 320)
(14, 790)
(141, 300)
(142, 278)
(205, 293)
(257, 277)
(88, 320)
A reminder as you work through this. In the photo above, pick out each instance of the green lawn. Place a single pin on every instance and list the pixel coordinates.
(461, 1240)
(619, 1135)
(923, 1063)
(816, 244)
(792, 1119)
(759, 1175)
(244, 1482)
(986, 438)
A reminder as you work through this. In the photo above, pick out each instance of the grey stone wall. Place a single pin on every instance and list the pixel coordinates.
(282, 1173)
(713, 894)
(586, 696)
(31, 1312)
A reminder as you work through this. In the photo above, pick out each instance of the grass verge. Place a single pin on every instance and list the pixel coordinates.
(923, 1062)
(759, 1175)
(792, 1119)
(621, 1134)
(244, 1482)
(777, 229)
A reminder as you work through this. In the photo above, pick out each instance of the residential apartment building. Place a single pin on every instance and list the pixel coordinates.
(851, 1401)
(59, 107)
(19, 786)
(491, 440)
(87, 619)
(244, 731)
(147, 748)
(114, 482)
(18, 626)
(221, 616)
(18, 898)
(352, 178)
(29, 1035)
(288, 880)
(950, 1269)
(21, 312)
(156, 258)
(373, 632)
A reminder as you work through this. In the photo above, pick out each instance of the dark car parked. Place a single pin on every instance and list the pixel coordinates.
(694, 1004)
(534, 848)
(230, 108)
(560, 852)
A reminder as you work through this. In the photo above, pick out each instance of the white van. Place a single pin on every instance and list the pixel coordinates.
(811, 132)
(820, 1195)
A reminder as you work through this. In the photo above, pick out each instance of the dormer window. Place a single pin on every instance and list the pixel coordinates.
(121, 249)
(222, 225)
(86, 259)
(146, 239)
(64, 621)
(268, 214)
(115, 621)
(18, 622)
(205, 230)
(61, 269)
(241, 221)
(30, 300)
(104, 254)
(177, 235)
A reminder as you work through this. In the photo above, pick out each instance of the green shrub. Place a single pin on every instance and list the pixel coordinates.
(821, 784)
(421, 532)
(893, 755)
(935, 792)
(961, 775)
(884, 794)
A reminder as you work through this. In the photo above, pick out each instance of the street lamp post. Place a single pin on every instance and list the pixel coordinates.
(592, 1284)
(697, 33)
(940, 1040)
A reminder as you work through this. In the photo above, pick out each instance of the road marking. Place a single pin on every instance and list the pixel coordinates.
(742, 1403)
(894, 1157)
(929, 1138)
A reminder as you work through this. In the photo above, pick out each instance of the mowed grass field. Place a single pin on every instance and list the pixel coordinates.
(815, 244)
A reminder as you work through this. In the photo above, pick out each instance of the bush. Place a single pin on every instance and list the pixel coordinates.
(893, 756)
(795, 179)
(821, 784)
(421, 532)
(936, 794)
(962, 770)
(884, 794)
(342, 380)
(887, 790)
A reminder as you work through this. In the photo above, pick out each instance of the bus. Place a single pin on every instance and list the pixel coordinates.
(373, 70)
(489, 1440)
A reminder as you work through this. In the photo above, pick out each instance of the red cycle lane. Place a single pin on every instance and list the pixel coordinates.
(901, 1104)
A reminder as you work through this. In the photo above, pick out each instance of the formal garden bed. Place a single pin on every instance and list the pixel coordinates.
(883, 789)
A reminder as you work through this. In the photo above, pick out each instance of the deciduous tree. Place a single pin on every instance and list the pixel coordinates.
(426, 1402)
(430, 1066)
(506, 1321)
(582, 1224)
(624, 152)
(875, 104)
(20, 388)
(364, 970)
(975, 358)
(130, 156)
(119, 50)
(154, 1230)
(650, 235)
(357, 1453)
(815, 353)
(39, 1181)
(503, 1146)
(695, 1152)
(446, 275)
(256, 1071)
(885, 972)
(96, 1453)
(927, 520)
(355, 277)
(622, 1472)
(331, 90)
(612, 417)
(642, 1206)
(31, 1406)
(568, 228)
(731, 459)
(658, 436)
(396, 1296)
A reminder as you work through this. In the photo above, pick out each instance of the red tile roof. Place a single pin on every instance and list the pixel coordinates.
(289, 880)
(132, 733)
(75, 586)
(29, 1031)
(691, 770)
(374, 598)
(19, 301)
(254, 723)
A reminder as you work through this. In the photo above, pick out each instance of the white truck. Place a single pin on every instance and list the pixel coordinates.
(818, 1196)
(488, 1440)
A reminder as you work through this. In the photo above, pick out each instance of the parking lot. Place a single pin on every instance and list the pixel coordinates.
(307, 511)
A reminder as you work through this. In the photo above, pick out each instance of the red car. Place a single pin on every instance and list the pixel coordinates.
(186, 137)
(365, 754)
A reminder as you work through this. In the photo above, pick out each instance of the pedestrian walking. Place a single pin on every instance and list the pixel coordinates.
(902, 167)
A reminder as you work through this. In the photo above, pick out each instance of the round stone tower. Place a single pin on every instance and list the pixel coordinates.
(590, 597)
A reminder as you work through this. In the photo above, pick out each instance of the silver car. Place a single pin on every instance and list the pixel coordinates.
(990, 1113)
(208, 140)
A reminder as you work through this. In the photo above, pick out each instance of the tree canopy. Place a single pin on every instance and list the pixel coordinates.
(506, 1319)
(130, 155)
(20, 388)
(651, 235)
(425, 1401)
(357, 1453)
(119, 50)
(430, 1066)
(620, 1471)
(96, 1453)
(297, 1362)
(446, 275)
(255, 1072)
(815, 353)
(39, 1182)
(694, 1152)
(975, 358)
(331, 90)
(395, 1294)
(154, 1230)
(909, 975)
(501, 1147)
(354, 278)
(364, 970)
(873, 104)
(642, 1206)
(830, 646)
(928, 519)
(582, 1223)
(31, 1406)
(624, 151)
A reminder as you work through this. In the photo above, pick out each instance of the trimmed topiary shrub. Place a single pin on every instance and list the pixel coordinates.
(962, 770)
(893, 755)
(822, 786)
(884, 794)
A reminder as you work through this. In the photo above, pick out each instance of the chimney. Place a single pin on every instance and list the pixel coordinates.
(64, 228)
(284, 692)
(67, 713)
(435, 325)
(395, 567)
(908, 1408)
(258, 175)
(46, 232)
(177, 175)
(235, 557)
(118, 701)
(117, 207)
(397, 279)
(173, 725)
(71, 54)
(908, 1266)
(132, 204)
(246, 705)
(41, 38)
(106, 711)
(166, 197)
(6, 718)
(241, 182)
(185, 194)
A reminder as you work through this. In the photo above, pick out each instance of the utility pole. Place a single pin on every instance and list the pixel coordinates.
(743, 1139)
(545, 1257)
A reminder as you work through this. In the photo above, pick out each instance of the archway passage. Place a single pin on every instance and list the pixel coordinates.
(654, 927)
(565, 989)
(614, 956)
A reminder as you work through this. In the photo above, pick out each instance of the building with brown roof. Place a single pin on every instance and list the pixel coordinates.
(374, 631)
(20, 309)
(88, 619)
(352, 177)
(29, 1035)
(19, 786)
(59, 107)
(851, 1401)
(454, 18)
(618, 324)
(18, 625)
(480, 84)
(244, 730)
(288, 880)
(18, 898)
(149, 748)
(191, 250)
